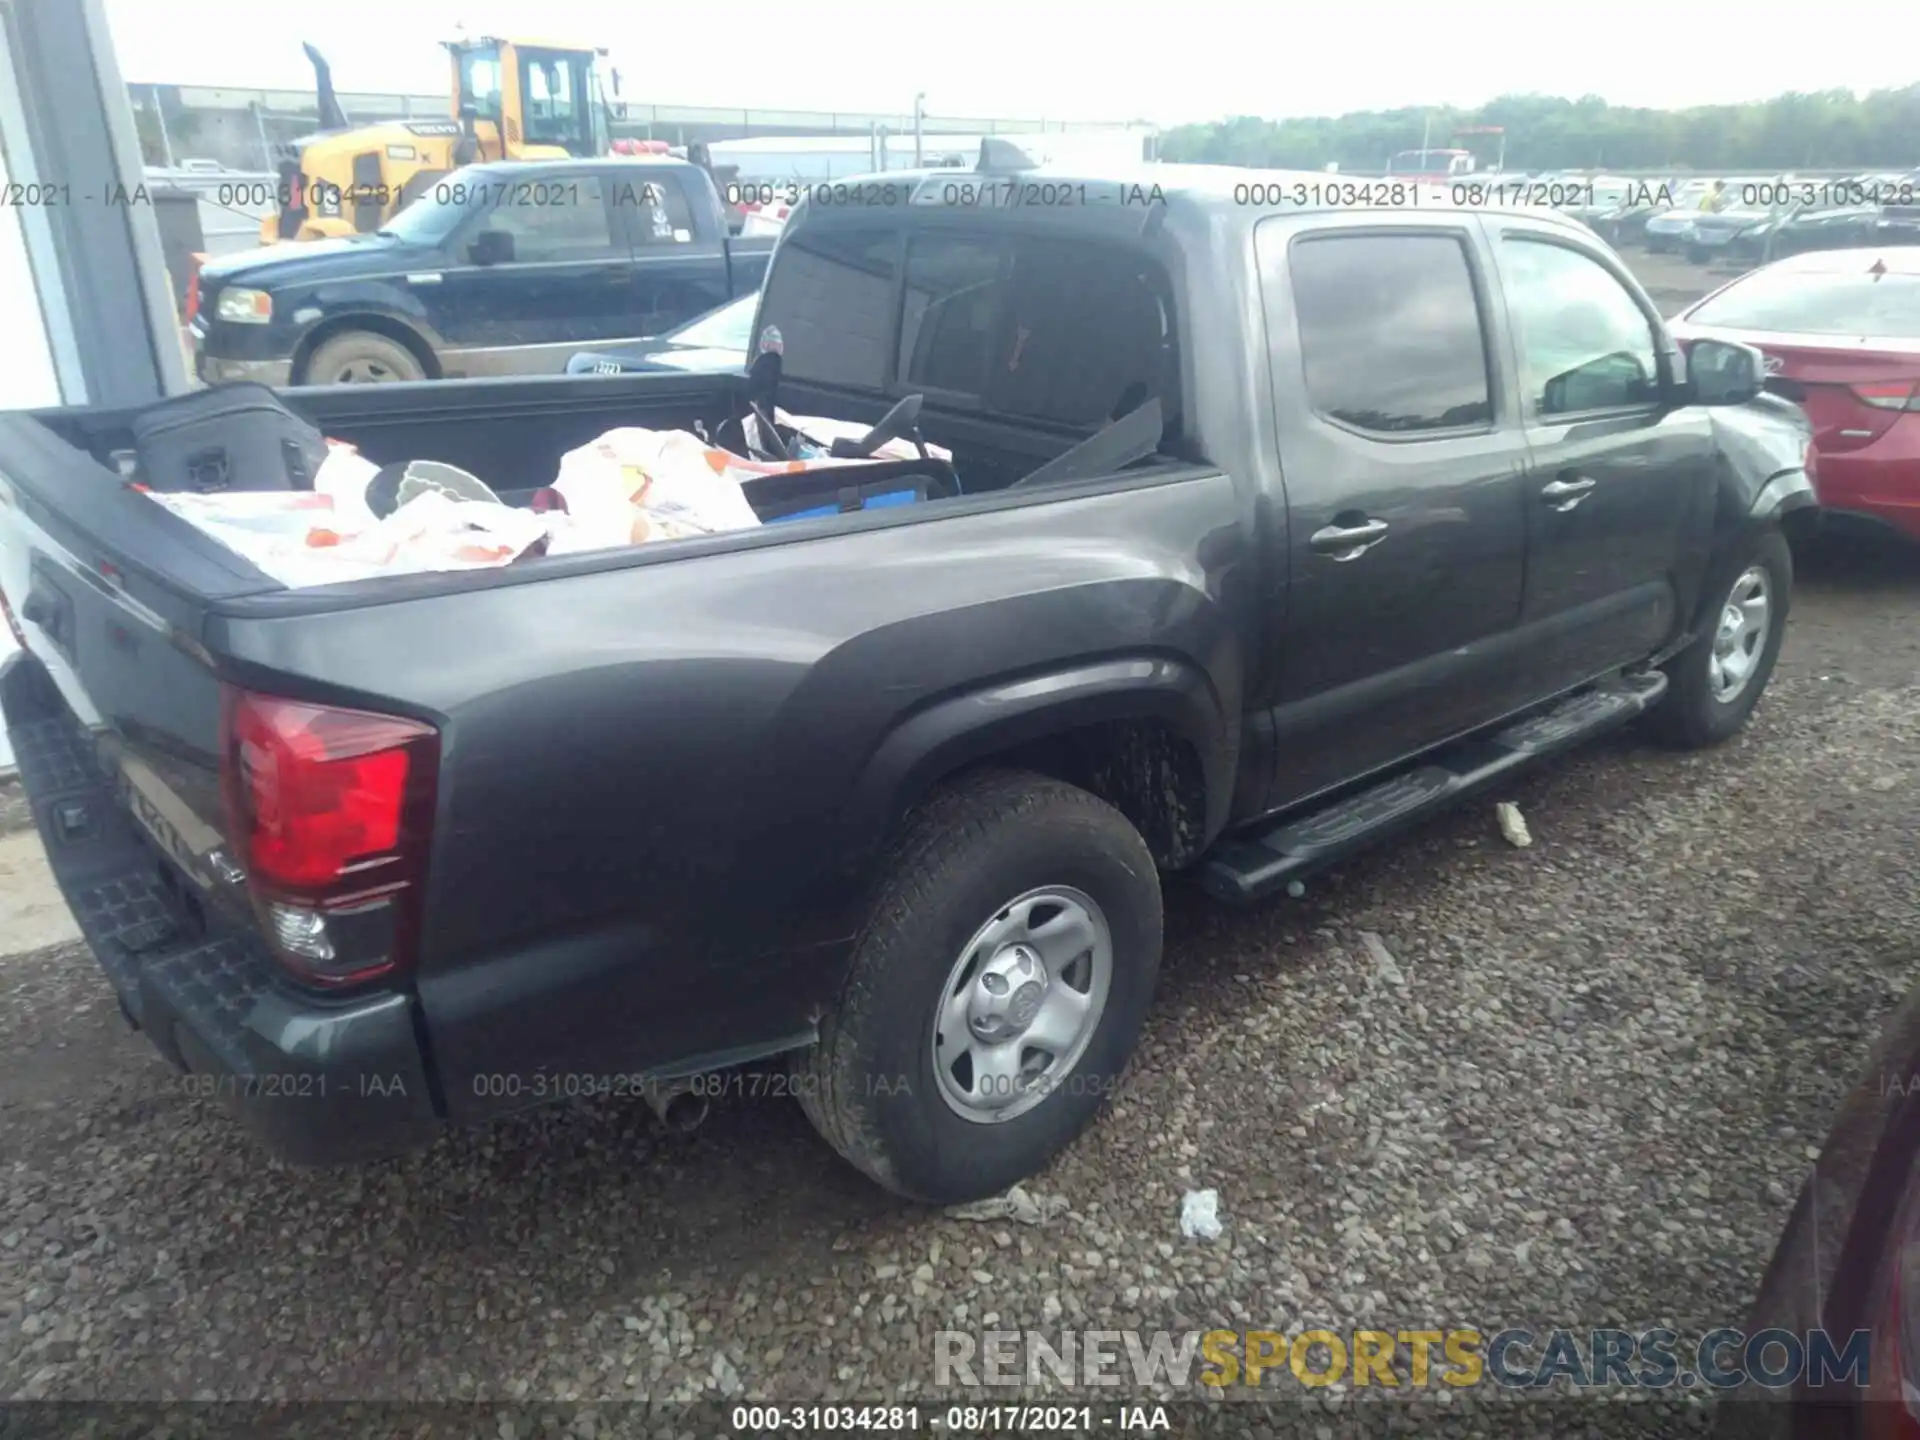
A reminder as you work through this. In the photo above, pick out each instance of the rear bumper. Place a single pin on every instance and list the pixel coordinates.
(1880, 482)
(319, 1081)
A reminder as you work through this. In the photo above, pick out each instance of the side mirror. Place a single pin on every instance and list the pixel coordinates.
(491, 247)
(1723, 372)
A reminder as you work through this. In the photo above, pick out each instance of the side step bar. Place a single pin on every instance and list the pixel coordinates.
(1252, 868)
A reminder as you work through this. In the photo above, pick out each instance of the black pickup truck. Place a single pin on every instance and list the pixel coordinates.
(504, 269)
(1280, 526)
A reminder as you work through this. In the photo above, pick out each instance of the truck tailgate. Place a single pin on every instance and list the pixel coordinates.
(111, 593)
(122, 762)
(114, 711)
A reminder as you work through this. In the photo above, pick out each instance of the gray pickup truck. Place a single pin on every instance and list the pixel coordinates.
(1278, 525)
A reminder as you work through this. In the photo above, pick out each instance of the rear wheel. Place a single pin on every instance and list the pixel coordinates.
(996, 993)
(360, 357)
(1713, 685)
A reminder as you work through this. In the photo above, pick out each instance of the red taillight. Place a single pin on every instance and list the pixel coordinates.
(1893, 1397)
(330, 811)
(193, 287)
(1888, 395)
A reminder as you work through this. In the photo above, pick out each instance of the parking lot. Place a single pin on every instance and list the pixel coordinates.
(1584, 1092)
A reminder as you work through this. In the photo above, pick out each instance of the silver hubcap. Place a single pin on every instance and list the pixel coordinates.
(1021, 1003)
(1741, 636)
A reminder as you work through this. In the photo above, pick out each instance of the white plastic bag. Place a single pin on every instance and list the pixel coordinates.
(303, 539)
(343, 477)
(433, 532)
(635, 485)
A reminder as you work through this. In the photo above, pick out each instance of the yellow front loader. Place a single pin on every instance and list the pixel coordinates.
(512, 100)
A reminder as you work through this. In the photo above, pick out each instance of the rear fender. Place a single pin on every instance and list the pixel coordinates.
(951, 734)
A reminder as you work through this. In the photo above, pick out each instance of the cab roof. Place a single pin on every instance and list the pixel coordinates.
(539, 169)
(1007, 174)
(527, 42)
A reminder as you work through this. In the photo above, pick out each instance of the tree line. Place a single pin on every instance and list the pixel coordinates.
(1829, 129)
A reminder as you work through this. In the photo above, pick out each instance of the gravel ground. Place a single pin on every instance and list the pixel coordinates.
(13, 808)
(1583, 1092)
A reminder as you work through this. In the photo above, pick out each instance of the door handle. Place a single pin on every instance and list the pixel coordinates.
(1565, 494)
(1348, 542)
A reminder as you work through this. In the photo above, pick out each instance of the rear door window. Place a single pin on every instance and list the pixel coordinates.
(658, 210)
(1391, 333)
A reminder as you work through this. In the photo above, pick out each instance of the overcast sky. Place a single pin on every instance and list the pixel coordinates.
(1053, 59)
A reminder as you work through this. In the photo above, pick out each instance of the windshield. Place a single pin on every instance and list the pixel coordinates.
(1818, 304)
(728, 328)
(431, 218)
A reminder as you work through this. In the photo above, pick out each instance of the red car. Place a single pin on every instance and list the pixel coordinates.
(1841, 333)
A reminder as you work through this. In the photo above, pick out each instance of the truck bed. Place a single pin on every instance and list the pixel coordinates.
(625, 751)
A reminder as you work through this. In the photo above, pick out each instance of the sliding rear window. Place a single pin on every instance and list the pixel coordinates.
(832, 295)
(1055, 330)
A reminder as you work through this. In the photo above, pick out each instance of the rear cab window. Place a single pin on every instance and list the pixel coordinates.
(832, 304)
(1065, 332)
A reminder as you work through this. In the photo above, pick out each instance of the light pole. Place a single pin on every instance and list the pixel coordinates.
(919, 115)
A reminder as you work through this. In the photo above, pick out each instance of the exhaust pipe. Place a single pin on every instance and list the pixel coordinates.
(675, 1103)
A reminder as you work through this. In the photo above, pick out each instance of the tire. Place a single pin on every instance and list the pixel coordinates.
(970, 860)
(1697, 710)
(360, 357)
